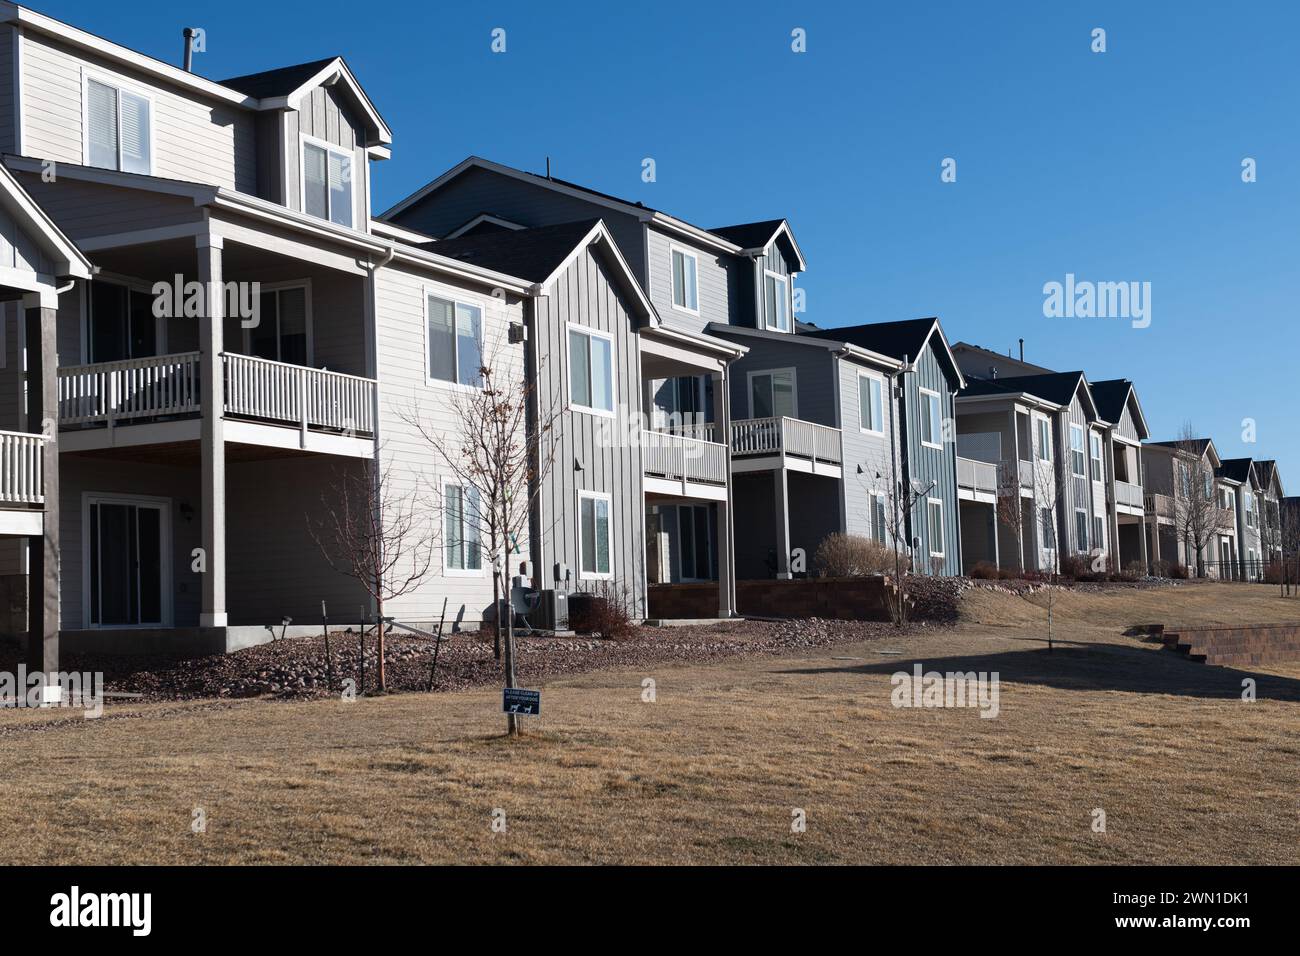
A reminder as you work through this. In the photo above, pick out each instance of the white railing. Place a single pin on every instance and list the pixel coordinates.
(308, 397)
(134, 388)
(678, 458)
(789, 436)
(1159, 505)
(22, 480)
(981, 476)
(1129, 494)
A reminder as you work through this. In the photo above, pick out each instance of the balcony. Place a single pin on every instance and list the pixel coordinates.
(22, 483)
(977, 480)
(1159, 506)
(265, 402)
(678, 464)
(758, 444)
(1129, 498)
(1013, 473)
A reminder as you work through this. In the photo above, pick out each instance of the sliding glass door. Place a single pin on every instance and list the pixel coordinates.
(127, 548)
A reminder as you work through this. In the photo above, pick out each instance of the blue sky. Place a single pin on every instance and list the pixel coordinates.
(1115, 166)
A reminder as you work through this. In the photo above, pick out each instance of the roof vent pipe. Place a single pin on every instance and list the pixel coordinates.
(189, 49)
(1022, 350)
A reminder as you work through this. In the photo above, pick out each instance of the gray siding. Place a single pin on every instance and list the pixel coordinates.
(874, 453)
(926, 465)
(817, 397)
(324, 116)
(1126, 427)
(8, 128)
(584, 295)
(713, 279)
(1074, 492)
(84, 209)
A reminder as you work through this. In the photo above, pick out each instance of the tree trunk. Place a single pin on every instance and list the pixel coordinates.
(496, 606)
(379, 644)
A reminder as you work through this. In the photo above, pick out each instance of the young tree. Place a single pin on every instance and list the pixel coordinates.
(372, 532)
(897, 510)
(1270, 539)
(500, 454)
(1198, 514)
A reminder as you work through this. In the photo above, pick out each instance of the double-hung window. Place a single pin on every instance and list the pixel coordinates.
(871, 415)
(119, 128)
(1076, 451)
(455, 341)
(281, 330)
(1098, 473)
(934, 512)
(591, 370)
(931, 419)
(1098, 532)
(327, 181)
(776, 295)
(1044, 440)
(686, 294)
(878, 518)
(772, 394)
(593, 535)
(1081, 529)
(461, 529)
(1049, 528)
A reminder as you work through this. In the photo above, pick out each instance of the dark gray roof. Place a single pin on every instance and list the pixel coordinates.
(531, 254)
(278, 82)
(1266, 468)
(898, 340)
(968, 347)
(1234, 469)
(1110, 397)
(750, 235)
(1196, 445)
(1056, 387)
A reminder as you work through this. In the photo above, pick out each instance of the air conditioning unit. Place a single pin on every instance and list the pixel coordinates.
(554, 612)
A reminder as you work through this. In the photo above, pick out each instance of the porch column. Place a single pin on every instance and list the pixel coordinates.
(40, 312)
(1015, 490)
(212, 432)
(781, 482)
(1112, 501)
(725, 535)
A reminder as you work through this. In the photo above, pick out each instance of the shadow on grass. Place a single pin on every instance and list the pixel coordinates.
(1096, 668)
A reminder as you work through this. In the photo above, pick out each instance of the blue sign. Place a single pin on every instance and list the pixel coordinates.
(516, 700)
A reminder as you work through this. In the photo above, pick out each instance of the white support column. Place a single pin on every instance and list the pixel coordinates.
(38, 317)
(212, 441)
(1112, 503)
(725, 535)
(782, 504)
(1015, 487)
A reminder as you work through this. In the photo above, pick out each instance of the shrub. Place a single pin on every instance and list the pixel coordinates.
(984, 571)
(1073, 566)
(1008, 574)
(1135, 570)
(852, 556)
(1273, 573)
(604, 611)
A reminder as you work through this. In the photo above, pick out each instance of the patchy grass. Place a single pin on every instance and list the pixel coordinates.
(710, 773)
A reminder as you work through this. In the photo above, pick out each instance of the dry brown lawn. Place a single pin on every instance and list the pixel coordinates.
(1185, 771)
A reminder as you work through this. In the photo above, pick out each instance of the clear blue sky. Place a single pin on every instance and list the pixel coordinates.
(1117, 166)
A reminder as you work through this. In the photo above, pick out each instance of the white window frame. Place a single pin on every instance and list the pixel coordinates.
(924, 407)
(1079, 465)
(785, 285)
(794, 388)
(303, 140)
(457, 300)
(672, 278)
(1098, 460)
(681, 538)
(119, 84)
(929, 528)
(164, 555)
(305, 285)
(879, 380)
(447, 569)
(878, 529)
(1042, 448)
(568, 377)
(1081, 545)
(609, 501)
(1099, 534)
(1046, 525)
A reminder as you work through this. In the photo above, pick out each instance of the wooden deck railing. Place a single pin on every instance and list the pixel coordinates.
(678, 458)
(789, 436)
(22, 478)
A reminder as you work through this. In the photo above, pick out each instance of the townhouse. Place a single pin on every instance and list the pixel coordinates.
(1272, 493)
(1191, 511)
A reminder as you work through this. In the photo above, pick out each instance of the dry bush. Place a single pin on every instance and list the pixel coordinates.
(605, 610)
(1073, 566)
(852, 556)
(984, 571)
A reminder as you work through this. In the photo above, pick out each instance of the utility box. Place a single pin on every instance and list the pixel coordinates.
(554, 610)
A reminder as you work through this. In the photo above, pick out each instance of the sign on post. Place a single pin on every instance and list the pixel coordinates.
(516, 700)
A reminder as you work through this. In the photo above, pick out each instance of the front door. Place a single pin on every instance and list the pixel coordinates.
(127, 561)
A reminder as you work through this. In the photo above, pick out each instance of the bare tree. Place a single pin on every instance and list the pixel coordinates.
(1198, 514)
(1289, 514)
(1271, 539)
(498, 454)
(372, 532)
(898, 502)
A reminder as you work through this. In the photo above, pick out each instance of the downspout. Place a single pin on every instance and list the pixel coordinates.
(532, 418)
(376, 462)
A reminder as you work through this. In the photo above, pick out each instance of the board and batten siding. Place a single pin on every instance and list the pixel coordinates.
(1126, 427)
(610, 464)
(8, 95)
(926, 465)
(1074, 492)
(192, 139)
(873, 452)
(322, 115)
(414, 466)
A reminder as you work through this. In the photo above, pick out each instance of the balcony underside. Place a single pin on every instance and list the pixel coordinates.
(807, 466)
(185, 431)
(666, 491)
(21, 521)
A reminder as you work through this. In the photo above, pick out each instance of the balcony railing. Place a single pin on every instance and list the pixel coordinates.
(1129, 494)
(1013, 471)
(678, 458)
(22, 479)
(977, 476)
(1162, 506)
(787, 436)
(166, 386)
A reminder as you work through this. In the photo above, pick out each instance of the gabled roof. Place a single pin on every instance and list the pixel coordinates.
(1239, 470)
(27, 215)
(757, 236)
(991, 356)
(903, 340)
(727, 331)
(1268, 473)
(1200, 447)
(1059, 388)
(284, 88)
(278, 82)
(1112, 395)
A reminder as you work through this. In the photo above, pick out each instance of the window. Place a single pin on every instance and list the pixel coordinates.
(695, 530)
(1049, 529)
(591, 370)
(461, 529)
(870, 404)
(772, 394)
(326, 181)
(593, 535)
(1098, 472)
(455, 334)
(1076, 451)
(1208, 481)
(1081, 529)
(685, 291)
(776, 292)
(934, 515)
(931, 419)
(1044, 440)
(119, 128)
(281, 333)
(1229, 499)
(122, 323)
(878, 518)
(1248, 504)
(1098, 532)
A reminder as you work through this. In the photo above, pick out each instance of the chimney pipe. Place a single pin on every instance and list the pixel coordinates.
(1022, 350)
(189, 49)
(548, 167)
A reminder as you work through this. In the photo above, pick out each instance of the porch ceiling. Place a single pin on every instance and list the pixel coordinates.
(155, 261)
(187, 453)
